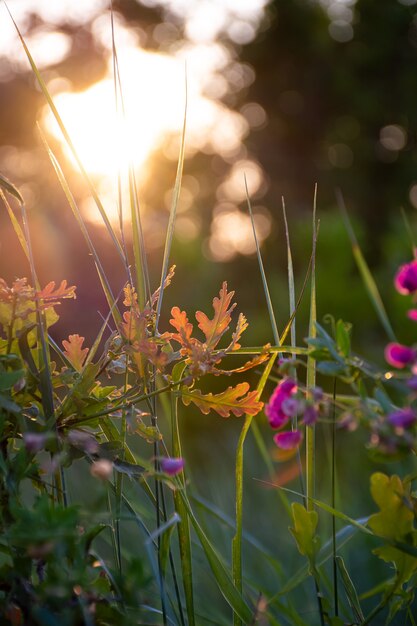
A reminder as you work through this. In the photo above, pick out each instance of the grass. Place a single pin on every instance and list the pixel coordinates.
(152, 550)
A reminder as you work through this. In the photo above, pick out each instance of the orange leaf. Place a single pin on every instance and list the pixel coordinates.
(167, 281)
(241, 326)
(62, 291)
(134, 326)
(216, 327)
(74, 351)
(131, 297)
(233, 400)
(180, 322)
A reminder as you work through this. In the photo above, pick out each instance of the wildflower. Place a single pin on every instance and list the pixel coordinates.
(291, 407)
(412, 314)
(288, 440)
(310, 415)
(406, 278)
(403, 418)
(274, 409)
(171, 465)
(398, 355)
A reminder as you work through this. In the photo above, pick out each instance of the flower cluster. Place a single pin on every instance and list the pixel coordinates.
(287, 403)
(393, 433)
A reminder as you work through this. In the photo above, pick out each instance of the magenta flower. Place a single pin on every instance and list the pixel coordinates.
(274, 409)
(403, 418)
(398, 355)
(288, 440)
(171, 465)
(406, 278)
(310, 415)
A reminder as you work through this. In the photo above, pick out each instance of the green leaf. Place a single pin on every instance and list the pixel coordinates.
(343, 337)
(8, 379)
(304, 530)
(394, 522)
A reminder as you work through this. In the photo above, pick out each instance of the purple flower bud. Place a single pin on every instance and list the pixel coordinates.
(403, 418)
(289, 440)
(317, 393)
(310, 415)
(398, 355)
(412, 314)
(406, 278)
(290, 407)
(171, 466)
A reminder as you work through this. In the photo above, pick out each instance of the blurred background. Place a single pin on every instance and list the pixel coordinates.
(289, 93)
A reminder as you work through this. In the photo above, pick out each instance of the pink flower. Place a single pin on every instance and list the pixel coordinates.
(399, 356)
(406, 278)
(403, 418)
(172, 466)
(288, 440)
(274, 409)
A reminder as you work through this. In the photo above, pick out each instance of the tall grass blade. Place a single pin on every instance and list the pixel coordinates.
(262, 270)
(224, 582)
(237, 539)
(173, 212)
(180, 507)
(291, 285)
(364, 271)
(311, 366)
(350, 590)
(77, 214)
(10, 188)
(68, 140)
(16, 226)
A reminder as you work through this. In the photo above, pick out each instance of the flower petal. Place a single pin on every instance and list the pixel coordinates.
(403, 418)
(289, 440)
(172, 466)
(406, 278)
(398, 355)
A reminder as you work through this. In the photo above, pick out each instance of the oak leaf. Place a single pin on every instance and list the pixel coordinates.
(74, 351)
(237, 400)
(215, 328)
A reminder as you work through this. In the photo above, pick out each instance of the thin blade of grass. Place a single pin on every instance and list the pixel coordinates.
(291, 285)
(237, 538)
(81, 224)
(224, 582)
(350, 590)
(10, 188)
(364, 271)
(68, 140)
(311, 366)
(173, 211)
(16, 226)
(141, 267)
(262, 270)
(180, 507)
